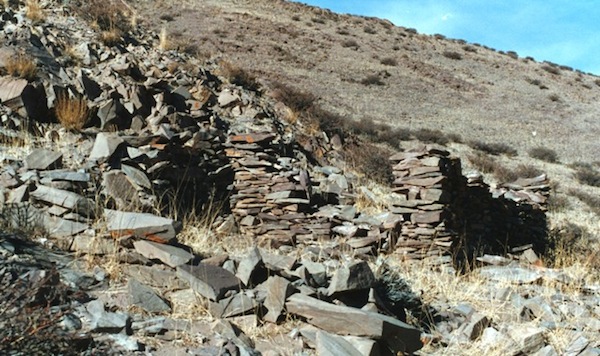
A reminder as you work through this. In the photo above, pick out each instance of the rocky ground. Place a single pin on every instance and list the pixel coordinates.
(156, 204)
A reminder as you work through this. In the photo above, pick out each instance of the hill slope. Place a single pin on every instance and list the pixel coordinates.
(424, 81)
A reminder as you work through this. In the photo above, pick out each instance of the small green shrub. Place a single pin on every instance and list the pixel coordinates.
(544, 154)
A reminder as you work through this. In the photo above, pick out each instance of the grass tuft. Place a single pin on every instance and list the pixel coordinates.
(22, 66)
(34, 11)
(72, 113)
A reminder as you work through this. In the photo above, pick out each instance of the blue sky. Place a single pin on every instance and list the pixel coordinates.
(563, 32)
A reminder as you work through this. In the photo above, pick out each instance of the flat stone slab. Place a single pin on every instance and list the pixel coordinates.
(342, 320)
(143, 225)
(105, 146)
(354, 276)
(278, 289)
(170, 255)
(334, 345)
(146, 298)
(64, 198)
(210, 281)
(59, 227)
(11, 88)
(43, 159)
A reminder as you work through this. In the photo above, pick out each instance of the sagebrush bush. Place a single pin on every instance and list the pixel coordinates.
(72, 113)
(350, 43)
(493, 148)
(372, 161)
(452, 55)
(389, 61)
(551, 69)
(592, 201)
(482, 162)
(544, 154)
(588, 175)
(238, 76)
(372, 79)
(431, 136)
(293, 98)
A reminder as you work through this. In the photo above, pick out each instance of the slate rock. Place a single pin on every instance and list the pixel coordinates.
(72, 201)
(333, 345)
(278, 289)
(354, 276)
(43, 159)
(396, 335)
(249, 266)
(120, 188)
(143, 225)
(146, 298)
(211, 282)
(105, 146)
(170, 255)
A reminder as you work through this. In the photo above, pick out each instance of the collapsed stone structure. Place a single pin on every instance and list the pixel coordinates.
(167, 138)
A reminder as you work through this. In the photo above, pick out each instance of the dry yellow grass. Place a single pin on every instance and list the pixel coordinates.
(34, 11)
(163, 40)
(110, 37)
(72, 113)
(22, 66)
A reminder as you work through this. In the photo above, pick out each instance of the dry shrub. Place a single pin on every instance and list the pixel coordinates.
(587, 174)
(431, 136)
(482, 162)
(527, 171)
(238, 76)
(111, 37)
(452, 55)
(544, 154)
(468, 48)
(293, 98)
(372, 161)
(107, 15)
(72, 113)
(163, 40)
(493, 148)
(592, 201)
(551, 69)
(554, 97)
(370, 30)
(389, 61)
(454, 137)
(557, 203)
(22, 66)
(34, 11)
(568, 244)
(350, 43)
(372, 79)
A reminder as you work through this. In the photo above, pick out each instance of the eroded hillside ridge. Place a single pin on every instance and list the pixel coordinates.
(156, 171)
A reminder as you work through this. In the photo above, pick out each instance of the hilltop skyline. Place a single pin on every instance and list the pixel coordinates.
(555, 31)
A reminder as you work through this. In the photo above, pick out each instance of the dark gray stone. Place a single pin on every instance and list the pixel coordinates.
(334, 345)
(105, 146)
(143, 225)
(169, 255)
(278, 289)
(43, 159)
(146, 298)
(396, 335)
(354, 276)
(211, 282)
